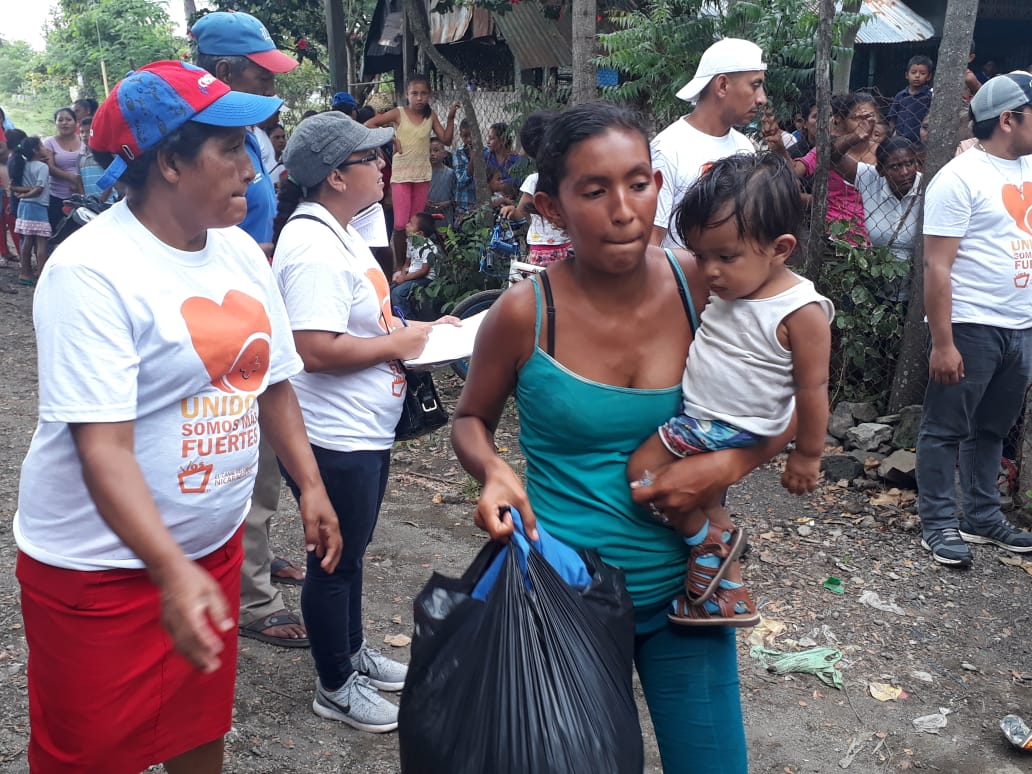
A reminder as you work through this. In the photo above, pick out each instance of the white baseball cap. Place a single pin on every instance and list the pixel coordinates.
(730, 55)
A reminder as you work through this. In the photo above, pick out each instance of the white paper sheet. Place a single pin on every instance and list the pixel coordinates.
(448, 343)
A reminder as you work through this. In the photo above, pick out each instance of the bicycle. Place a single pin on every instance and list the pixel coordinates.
(498, 259)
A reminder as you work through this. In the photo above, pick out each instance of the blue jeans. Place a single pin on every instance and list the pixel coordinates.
(400, 296)
(690, 680)
(964, 425)
(332, 602)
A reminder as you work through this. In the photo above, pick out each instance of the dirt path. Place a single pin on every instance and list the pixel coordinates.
(961, 641)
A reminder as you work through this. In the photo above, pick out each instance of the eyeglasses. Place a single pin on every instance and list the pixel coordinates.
(373, 156)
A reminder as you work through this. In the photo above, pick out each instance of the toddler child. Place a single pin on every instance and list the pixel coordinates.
(761, 354)
(422, 251)
(545, 242)
(503, 192)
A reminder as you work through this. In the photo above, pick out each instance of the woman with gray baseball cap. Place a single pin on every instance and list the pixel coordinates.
(351, 391)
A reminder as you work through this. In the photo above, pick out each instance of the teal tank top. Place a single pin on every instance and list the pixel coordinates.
(577, 436)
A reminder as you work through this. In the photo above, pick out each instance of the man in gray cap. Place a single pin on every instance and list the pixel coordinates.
(238, 50)
(728, 90)
(978, 298)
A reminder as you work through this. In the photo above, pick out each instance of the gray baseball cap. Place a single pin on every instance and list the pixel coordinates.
(1002, 93)
(322, 142)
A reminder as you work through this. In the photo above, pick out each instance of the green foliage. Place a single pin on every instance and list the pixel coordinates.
(868, 328)
(15, 65)
(457, 271)
(293, 24)
(299, 26)
(302, 88)
(124, 34)
(657, 48)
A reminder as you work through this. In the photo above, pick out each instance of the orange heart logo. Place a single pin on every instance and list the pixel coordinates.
(233, 340)
(1014, 199)
(386, 322)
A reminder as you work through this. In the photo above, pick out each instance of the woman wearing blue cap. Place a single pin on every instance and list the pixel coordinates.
(160, 334)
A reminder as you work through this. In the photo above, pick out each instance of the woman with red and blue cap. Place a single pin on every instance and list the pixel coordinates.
(161, 336)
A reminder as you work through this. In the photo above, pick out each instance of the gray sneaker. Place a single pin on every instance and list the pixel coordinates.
(947, 547)
(356, 703)
(1001, 533)
(383, 673)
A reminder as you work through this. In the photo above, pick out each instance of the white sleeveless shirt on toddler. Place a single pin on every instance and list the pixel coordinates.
(737, 371)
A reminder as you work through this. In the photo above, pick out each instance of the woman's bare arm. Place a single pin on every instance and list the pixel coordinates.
(503, 344)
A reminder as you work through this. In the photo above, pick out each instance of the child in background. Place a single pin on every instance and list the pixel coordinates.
(545, 242)
(910, 106)
(422, 251)
(6, 214)
(90, 170)
(844, 201)
(462, 163)
(761, 354)
(29, 170)
(410, 168)
(503, 192)
(441, 199)
(14, 137)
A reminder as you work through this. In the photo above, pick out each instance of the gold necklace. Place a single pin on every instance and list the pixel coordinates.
(1021, 170)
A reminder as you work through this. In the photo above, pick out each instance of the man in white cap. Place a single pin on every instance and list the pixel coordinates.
(978, 297)
(728, 91)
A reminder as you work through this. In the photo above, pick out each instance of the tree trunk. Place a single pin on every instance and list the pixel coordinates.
(419, 27)
(844, 61)
(819, 203)
(189, 9)
(911, 376)
(585, 78)
(336, 44)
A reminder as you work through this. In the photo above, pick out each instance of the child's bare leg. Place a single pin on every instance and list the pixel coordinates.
(42, 253)
(648, 458)
(25, 254)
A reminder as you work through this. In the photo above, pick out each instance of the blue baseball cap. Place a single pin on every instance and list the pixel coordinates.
(149, 104)
(234, 33)
(343, 99)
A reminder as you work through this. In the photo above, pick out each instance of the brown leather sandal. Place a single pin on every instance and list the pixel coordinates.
(686, 613)
(708, 578)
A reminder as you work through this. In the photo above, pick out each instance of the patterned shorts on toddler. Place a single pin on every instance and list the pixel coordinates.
(543, 255)
(684, 436)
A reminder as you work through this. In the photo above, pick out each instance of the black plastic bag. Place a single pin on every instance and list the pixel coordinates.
(530, 681)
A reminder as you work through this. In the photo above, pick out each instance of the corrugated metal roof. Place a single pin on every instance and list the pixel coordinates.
(449, 27)
(534, 40)
(892, 22)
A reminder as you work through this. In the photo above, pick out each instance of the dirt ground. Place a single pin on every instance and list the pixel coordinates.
(959, 641)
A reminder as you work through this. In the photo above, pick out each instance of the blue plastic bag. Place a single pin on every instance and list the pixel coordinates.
(564, 559)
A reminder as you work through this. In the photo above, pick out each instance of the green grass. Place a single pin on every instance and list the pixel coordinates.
(30, 118)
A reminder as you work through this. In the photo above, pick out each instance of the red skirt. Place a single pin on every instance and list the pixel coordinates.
(107, 692)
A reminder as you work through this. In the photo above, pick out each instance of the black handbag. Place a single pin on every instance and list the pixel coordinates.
(422, 411)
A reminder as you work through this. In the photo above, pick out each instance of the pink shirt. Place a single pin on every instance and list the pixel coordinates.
(844, 201)
(67, 161)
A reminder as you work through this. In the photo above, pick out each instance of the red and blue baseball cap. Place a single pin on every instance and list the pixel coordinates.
(233, 33)
(149, 104)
